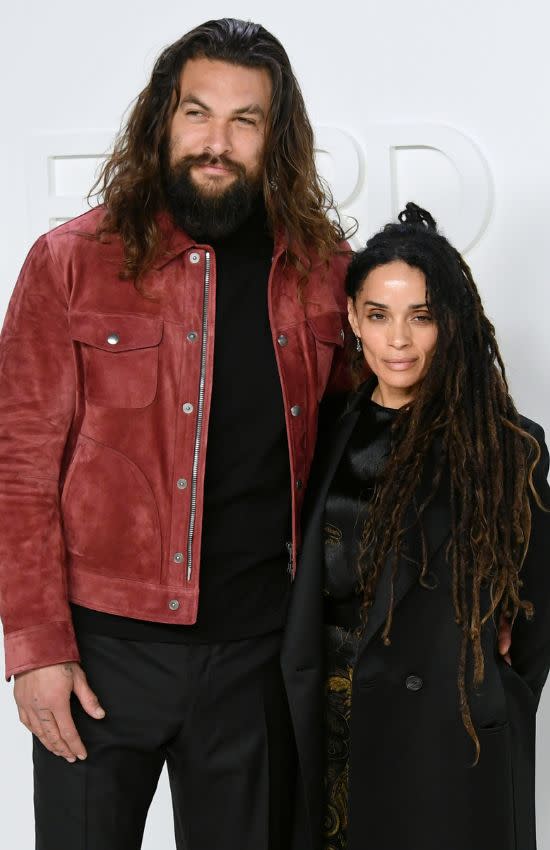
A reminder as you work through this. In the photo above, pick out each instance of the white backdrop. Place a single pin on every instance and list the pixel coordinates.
(442, 103)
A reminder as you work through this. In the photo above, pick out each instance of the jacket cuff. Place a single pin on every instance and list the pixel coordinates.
(40, 646)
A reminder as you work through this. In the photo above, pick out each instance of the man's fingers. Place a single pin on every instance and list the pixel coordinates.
(37, 729)
(47, 729)
(24, 718)
(69, 733)
(86, 696)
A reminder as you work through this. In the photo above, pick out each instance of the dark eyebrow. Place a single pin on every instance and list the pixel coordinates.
(385, 306)
(250, 109)
(191, 98)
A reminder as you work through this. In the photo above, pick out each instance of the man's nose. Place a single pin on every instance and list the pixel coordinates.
(218, 139)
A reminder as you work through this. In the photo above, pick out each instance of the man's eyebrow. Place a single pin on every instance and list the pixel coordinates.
(191, 98)
(251, 109)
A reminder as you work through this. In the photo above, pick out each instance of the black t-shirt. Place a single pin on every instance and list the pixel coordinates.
(244, 580)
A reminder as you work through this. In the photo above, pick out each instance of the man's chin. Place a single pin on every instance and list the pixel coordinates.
(211, 185)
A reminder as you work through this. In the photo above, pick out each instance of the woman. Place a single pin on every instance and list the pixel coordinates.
(427, 524)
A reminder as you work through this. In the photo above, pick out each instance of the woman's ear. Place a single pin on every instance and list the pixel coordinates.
(352, 317)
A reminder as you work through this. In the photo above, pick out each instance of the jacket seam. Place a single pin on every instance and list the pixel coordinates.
(36, 628)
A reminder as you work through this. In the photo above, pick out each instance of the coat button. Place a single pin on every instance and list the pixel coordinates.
(194, 257)
(299, 484)
(430, 581)
(113, 339)
(296, 410)
(191, 336)
(414, 683)
(181, 483)
(173, 605)
(187, 407)
(178, 557)
(282, 340)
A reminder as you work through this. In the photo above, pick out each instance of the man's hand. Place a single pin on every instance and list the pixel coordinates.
(505, 638)
(42, 698)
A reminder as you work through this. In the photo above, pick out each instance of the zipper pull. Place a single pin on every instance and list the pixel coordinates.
(290, 564)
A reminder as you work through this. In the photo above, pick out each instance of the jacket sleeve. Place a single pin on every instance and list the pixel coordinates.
(530, 651)
(340, 380)
(37, 401)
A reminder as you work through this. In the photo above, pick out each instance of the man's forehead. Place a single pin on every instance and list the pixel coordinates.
(219, 80)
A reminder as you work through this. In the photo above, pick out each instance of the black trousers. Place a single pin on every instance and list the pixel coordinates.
(215, 713)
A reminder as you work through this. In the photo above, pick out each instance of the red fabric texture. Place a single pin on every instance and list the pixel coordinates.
(94, 435)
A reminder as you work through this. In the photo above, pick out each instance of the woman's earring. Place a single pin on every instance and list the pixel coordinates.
(358, 344)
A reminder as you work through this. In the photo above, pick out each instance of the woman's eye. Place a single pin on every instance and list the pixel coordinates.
(424, 318)
(376, 316)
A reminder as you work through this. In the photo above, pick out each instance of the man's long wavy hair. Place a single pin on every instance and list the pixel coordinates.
(130, 182)
(463, 415)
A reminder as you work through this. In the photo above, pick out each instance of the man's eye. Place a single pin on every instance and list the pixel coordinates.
(248, 121)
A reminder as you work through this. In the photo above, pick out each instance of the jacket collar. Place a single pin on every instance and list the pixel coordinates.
(177, 241)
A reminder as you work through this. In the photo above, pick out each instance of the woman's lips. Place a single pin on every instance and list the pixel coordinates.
(400, 365)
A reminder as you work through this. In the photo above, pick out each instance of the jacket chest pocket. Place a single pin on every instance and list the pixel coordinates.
(328, 334)
(119, 356)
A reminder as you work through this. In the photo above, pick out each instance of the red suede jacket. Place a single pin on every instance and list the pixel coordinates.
(104, 407)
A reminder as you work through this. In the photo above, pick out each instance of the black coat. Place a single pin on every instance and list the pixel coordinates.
(412, 785)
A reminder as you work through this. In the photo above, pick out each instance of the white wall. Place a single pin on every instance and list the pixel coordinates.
(406, 73)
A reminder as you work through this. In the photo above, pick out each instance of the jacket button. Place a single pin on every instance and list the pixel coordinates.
(299, 484)
(191, 336)
(178, 557)
(414, 683)
(282, 340)
(173, 605)
(113, 339)
(187, 407)
(195, 258)
(181, 483)
(296, 410)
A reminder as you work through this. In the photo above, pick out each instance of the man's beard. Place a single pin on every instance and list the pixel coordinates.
(200, 212)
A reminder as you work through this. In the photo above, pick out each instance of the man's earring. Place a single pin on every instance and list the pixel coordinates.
(358, 344)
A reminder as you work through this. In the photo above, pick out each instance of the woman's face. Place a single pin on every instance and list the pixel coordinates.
(397, 331)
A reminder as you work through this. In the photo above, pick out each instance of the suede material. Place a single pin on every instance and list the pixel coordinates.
(93, 433)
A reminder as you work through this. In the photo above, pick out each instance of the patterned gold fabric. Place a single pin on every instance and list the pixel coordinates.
(341, 647)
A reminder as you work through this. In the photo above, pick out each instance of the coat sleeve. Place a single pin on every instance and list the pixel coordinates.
(530, 651)
(37, 402)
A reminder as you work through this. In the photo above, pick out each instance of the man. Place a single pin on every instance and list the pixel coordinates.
(161, 365)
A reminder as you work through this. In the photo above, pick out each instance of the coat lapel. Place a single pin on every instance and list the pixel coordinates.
(305, 612)
(436, 523)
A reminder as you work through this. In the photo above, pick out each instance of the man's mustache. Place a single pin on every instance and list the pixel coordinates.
(206, 158)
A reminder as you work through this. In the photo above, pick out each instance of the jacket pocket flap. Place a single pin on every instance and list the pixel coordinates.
(327, 327)
(116, 332)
